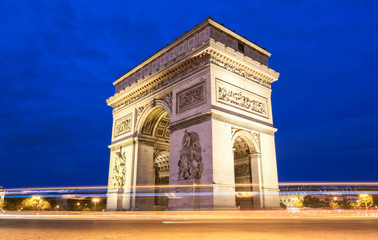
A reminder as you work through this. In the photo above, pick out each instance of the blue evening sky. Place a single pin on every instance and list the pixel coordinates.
(58, 60)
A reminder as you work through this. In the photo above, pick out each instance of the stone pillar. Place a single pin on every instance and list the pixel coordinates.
(144, 199)
(223, 167)
(258, 198)
(269, 175)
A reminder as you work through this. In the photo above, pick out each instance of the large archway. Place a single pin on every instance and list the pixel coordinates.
(154, 131)
(247, 172)
(243, 175)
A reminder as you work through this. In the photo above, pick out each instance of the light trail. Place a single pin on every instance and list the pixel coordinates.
(203, 185)
(149, 190)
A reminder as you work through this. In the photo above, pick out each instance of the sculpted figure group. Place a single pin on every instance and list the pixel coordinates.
(190, 163)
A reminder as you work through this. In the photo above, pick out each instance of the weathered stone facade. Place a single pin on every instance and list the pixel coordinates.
(196, 120)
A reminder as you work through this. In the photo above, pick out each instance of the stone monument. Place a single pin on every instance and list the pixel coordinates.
(193, 127)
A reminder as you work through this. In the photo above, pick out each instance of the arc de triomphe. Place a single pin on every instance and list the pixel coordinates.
(193, 127)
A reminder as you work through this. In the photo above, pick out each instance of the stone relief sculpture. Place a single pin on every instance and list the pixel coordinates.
(119, 171)
(191, 97)
(167, 98)
(190, 163)
(239, 99)
(122, 126)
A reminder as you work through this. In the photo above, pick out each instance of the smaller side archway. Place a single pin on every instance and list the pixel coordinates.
(247, 170)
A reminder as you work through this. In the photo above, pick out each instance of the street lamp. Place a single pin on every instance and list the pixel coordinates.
(95, 200)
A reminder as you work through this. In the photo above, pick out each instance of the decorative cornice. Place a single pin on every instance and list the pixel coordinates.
(254, 124)
(191, 65)
(170, 77)
(208, 29)
(189, 121)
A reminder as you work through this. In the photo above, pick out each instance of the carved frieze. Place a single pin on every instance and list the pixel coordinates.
(190, 163)
(118, 179)
(158, 148)
(242, 170)
(239, 71)
(167, 98)
(242, 99)
(191, 97)
(139, 110)
(165, 80)
(122, 125)
(187, 68)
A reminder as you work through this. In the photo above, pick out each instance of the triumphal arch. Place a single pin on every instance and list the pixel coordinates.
(193, 127)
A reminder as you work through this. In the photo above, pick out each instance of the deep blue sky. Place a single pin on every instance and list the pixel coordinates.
(58, 61)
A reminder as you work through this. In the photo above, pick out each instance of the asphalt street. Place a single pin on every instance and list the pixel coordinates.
(267, 228)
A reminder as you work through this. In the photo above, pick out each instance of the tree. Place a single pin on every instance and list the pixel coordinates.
(345, 205)
(298, 203)
(313, 202)
(11, 204)
(334, 205)
(365, 200)
(355, 205)
(35, 203)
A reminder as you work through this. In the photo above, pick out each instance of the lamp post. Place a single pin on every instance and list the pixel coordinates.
(95, 200)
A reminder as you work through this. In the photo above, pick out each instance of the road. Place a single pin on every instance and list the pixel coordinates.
(264, 228)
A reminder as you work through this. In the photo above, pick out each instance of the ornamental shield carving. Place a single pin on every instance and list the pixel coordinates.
(190, 163)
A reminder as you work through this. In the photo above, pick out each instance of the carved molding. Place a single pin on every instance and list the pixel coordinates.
(158, 148)
(255, 136)
(167, 98)
(242, 170)
(187, 43)
(191, 97)
(179, 49)
(186, 68)
(122, 126)
(139, 110)
(238, 70)
(190, 163)
(118, 179)
(171, 77)
(242, 99)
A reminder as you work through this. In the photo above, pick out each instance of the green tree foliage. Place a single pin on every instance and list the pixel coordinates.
(344, 205)
(313, 202)
(10, 204)
(35, 204)
(283, 205)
